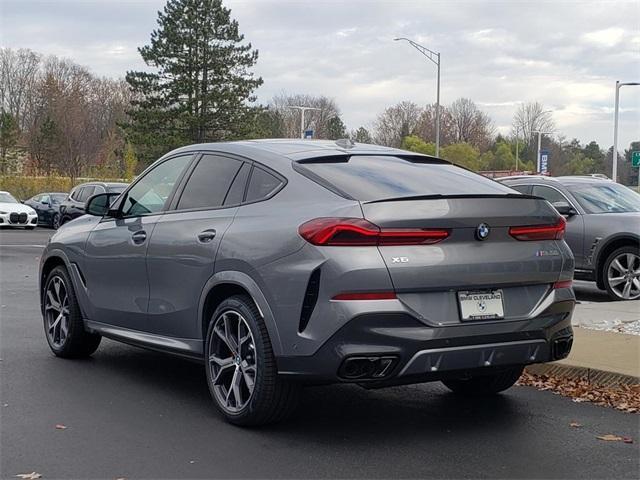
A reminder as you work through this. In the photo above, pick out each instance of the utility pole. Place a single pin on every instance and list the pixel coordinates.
(435, 58)
(302, 110)
(614, 159)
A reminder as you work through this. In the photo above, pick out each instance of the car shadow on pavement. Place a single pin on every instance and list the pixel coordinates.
(324, 412)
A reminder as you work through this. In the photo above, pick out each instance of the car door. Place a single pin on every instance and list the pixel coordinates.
(574, 235)
(182, 250)
(34, 202)
(115, 267)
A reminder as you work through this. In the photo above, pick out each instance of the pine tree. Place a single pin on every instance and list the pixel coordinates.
(202, 86)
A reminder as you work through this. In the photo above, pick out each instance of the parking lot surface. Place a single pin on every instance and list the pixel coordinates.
(137, 414)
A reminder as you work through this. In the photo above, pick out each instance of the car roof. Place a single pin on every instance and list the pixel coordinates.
(563, 180)
(284, 150)
(104, 184)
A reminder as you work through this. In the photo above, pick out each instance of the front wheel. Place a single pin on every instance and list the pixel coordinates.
(55, 222)
(485, 384)
(621, 273)
(241, 368)
(63, 324)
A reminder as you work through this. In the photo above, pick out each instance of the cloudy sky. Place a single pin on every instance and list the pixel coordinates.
(565, 54)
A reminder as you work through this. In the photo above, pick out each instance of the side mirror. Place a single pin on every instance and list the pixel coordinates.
(564, 209)
(99, 204)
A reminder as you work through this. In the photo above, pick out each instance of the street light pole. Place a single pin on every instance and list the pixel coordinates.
(435, 58)
(302, 110)
(614, 159)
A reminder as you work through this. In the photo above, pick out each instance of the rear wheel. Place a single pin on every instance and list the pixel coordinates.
(485, 384)
(55, 222)
(621, 273)
(63, 323)
(241, 368)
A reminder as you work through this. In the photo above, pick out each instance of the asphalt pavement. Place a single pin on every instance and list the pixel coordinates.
(137, 414)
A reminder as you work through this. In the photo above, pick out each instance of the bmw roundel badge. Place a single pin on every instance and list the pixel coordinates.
(482, 231)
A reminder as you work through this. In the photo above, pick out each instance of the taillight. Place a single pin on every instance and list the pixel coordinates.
(361, 232)
(540, 232)
(563, 284)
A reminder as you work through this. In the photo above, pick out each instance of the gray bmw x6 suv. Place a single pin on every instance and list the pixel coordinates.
(280, 263)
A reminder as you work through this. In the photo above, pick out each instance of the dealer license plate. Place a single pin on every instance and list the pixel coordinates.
(481, 304)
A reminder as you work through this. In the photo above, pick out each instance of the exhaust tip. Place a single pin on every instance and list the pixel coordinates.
(372, 367)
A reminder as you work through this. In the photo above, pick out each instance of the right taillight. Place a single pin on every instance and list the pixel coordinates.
(361, 232)
(540, 232)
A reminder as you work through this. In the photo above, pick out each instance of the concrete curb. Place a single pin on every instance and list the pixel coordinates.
(598, 377)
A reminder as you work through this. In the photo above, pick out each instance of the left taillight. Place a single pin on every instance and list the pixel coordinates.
(540, 232)
(361, 232)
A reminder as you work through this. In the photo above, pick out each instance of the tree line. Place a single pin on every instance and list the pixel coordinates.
(58, 117)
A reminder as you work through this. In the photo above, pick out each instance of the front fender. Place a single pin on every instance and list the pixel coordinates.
(74, 273)
(245, 281)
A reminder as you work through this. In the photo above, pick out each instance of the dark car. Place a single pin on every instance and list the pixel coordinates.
(603, 227)
(47, 206)
(73, 206)
(283, 262)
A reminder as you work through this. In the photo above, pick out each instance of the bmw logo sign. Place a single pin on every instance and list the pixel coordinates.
(482, 231)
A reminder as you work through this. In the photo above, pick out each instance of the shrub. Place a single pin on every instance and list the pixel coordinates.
(24, 187)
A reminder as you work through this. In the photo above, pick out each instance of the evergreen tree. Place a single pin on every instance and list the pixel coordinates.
(202, 85)
(361, 135)
(336, 129)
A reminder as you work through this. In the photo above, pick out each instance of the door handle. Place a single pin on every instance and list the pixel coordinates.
(206, 236)
(139, 237)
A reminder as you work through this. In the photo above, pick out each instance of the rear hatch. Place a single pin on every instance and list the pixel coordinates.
(481, 262)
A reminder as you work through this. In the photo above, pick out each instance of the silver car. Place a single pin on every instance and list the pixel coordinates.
(280, 263)
(603, 228)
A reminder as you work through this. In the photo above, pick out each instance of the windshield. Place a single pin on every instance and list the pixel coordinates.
(7, 198)
(369, 178)
(605, 197)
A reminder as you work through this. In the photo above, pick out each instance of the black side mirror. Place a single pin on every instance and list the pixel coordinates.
(564, 209)
(99, 204)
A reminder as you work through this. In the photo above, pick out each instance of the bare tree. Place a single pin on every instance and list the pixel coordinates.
(471, 125)
(426, 128)
(532, 117)
(19, 71)
(395, 123)
(318, 120)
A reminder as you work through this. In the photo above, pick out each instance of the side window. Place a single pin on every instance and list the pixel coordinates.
(551, 195)
(151, 192)
(261, 184)
(44, 199)
(209, 182)
(36, 198)
(236, 192)
(98, 189)
(522, 188)
(85, 194)
(75, 193)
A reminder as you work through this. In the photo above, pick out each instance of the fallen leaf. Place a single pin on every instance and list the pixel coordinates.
(575, 425)
(29, 476)
(627, 439)
(61, 427)
(609, 438)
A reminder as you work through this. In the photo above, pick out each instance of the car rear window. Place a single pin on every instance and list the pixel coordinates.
(367, 178)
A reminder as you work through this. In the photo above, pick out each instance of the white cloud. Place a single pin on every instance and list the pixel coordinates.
(608, 37)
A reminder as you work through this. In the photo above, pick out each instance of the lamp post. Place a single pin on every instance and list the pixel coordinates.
(302, 110)
(435, 58)
(614, 159)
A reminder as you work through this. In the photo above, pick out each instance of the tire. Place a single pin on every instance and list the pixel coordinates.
(271, 398)
(621, 273)
(55, 221)
(59, 297)
(485, 384)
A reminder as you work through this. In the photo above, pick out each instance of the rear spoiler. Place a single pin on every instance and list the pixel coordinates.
(440, 196)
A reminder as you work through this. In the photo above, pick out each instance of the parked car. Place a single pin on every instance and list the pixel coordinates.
(47, 206)
(73, 206)
(603, 228)
(15, 214)
(283, 263)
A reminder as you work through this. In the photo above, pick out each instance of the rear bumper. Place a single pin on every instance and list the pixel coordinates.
(383, 349)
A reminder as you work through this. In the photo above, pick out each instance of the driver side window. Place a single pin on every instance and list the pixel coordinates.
(151, 192)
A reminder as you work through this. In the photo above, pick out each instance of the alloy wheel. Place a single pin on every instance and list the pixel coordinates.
(56, 309)
(56, 222)
(623, 276)
(232, 361)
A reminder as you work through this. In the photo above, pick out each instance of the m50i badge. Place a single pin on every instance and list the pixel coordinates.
(547, 253)
(482, 231)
